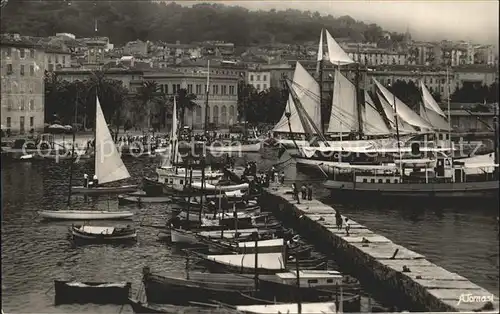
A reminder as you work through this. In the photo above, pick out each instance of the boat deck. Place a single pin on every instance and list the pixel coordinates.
(431, 287)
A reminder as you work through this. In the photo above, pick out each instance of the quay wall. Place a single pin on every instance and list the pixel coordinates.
(378, 262)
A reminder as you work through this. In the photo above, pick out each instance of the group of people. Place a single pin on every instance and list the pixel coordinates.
(87, 183)
(339, 221)
(305, 190)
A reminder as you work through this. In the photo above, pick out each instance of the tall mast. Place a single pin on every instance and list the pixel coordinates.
(358, 98)
(397, 132)
(73, 150)
(321, 65)
(448, 104)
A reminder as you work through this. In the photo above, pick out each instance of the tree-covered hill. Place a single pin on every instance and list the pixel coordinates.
(125, 21)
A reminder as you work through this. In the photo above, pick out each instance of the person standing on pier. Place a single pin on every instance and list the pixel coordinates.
(338, 219)
(296, 193)
(282, 177)
(347, 226)
(85, 180)
(309, 192)
(303, 189)
(95, 181)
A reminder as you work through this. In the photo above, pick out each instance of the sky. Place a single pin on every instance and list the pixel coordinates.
(473, 20)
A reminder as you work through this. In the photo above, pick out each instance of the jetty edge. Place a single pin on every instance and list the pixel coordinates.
(378, 262)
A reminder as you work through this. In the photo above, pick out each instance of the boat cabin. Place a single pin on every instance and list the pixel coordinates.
(311, 278)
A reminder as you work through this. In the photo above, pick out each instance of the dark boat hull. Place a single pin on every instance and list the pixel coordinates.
(121, 236)
(91, 292)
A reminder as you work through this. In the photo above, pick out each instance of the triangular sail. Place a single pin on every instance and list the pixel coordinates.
(344, 115)
(373, 123)
(403, 111)
(109, 166)
(336, 54)
(403, 127)
(173, 147)
(307, 90)
(320, 48)
(429, 101)
(437, 121)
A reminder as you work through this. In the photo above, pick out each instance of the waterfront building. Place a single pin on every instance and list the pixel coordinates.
(23, 62)
(260, 79)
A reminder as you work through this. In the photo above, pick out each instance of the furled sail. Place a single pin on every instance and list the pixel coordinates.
(336, 54)
(373, 123)
(344, 115)
(429, 101)
(403, 127)
(109, 166)
(307, 90)
(403, 111)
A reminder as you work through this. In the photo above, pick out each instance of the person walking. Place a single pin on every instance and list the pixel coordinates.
(296, 193)
(347, 226)
(309, 192)
(303, 190)
(338, 219)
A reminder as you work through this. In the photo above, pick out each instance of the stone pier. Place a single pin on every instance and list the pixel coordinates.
(378, 261)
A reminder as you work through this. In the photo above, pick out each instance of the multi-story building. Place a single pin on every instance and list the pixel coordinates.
(259, 79)
(137, 47)
(22, 73)
(222, 98)
(57, 57)
(376, 56)
(484, 54)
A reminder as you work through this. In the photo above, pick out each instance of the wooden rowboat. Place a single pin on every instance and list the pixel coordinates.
(67, 292)
(103, 234)
(83, 214)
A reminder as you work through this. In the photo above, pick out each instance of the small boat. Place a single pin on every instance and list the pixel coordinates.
(235, 147)
(67, 292)
(109, 166)
(141, 199)
(103, 189)
(267, 263)
(84, 214)
(144, 307)
(103, 234)
(221, 188)
(289, 308)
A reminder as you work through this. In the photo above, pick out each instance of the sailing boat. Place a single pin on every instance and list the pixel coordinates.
(107, 174)
(109, 166)
(172, 177)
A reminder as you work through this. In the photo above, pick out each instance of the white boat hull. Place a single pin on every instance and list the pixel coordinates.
(182, 236)
(104, 189)
(83, 214)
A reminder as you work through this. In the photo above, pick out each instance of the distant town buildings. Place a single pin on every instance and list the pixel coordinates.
(260, 79)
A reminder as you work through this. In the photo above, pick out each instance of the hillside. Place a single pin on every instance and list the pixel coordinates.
(125, 21)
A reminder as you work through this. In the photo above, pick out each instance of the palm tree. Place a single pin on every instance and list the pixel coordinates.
(185, 101)
(152, 99)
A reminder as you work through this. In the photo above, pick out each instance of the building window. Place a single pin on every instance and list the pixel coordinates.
(22, 53)
(32, 53)
(9, 52)
(9, 104)
(9, 69)
(32, 121)
(64, 60)
(21, 125)
(258, 87)
(178, 87)
(265, 86)
(224, 89)
(258, 77)
(190, 88)
(265, 78)
(174, 89)
(32, 105)
(9, 122)
(22, 69)
(51, 67)
(198, 89)
(251, 77)
(165, 86)
(21, 104)
(32, 70)
(231, 90)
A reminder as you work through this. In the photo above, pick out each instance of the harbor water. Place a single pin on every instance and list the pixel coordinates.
(34, 252)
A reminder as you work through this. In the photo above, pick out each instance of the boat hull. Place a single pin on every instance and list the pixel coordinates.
(123, 236)
(91, 292)
(484, 191)
(132, 199)
(103, 189)
(83, 215)
(244, 148)
(182, 236)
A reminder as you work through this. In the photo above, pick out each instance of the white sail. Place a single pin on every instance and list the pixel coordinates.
(344, 115)
(429, 101)
(320, 48)
(109, 166)
(403, 127)
(307, 90)
(403, 111)
(373, 123)
(336, 54)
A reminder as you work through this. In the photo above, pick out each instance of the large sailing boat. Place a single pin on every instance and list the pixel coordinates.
(109, 166)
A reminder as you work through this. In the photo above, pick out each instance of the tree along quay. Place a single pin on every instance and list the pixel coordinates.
(392, 273)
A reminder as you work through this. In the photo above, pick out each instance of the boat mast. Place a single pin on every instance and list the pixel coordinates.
(448, 104)
(206, 101)
(397, 131)
(358, 97)
(72, 151)
(321, 65)
(495, 121)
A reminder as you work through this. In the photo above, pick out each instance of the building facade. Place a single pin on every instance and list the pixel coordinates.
(259, 79)
(222, 108)
(22, 75)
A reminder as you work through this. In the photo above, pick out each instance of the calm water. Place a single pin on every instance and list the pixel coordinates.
(34, 253)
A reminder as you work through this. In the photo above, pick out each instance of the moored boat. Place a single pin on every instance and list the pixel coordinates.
(103, 189)
(67, 292)
(143, 199)
(84, 214)
(103, 234)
